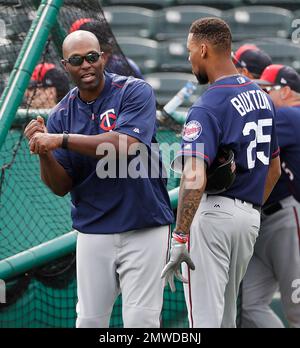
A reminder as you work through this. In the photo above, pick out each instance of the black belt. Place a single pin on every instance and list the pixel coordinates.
(272, 209)
(256, 207)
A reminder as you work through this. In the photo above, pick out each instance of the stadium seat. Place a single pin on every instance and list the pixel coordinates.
(288, 4)
(144, 52)
(174, 22)
(167, 84)
(174, 56)
(2, 29)
(153, 4)
(15, 21)
(8, 56)
(3, 81)
(214, 3)
(282, 51)
(258, 21)
(130, 20)
(10, 2)
(297, 13)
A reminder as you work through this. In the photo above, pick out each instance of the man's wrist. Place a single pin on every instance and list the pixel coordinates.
(180, 236)
(64, 141)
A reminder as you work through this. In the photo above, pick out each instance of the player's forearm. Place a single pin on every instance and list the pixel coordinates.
(88, 144)
(54, 175)
(192, 186)
(274, 173)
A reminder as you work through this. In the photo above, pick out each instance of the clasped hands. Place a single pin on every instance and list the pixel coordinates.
(40, 141)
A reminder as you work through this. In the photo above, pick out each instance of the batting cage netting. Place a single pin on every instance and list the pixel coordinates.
(30, 214)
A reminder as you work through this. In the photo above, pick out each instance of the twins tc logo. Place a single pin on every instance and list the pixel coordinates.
(108, 120)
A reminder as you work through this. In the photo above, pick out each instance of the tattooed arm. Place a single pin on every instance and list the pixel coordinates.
(192, 186)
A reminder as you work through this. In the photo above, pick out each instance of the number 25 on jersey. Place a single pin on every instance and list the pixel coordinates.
(259, 138)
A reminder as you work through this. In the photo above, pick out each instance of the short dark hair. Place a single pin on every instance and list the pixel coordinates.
(214, 30)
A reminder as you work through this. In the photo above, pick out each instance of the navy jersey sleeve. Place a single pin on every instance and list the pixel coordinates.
(274, 151)
(137, 116)
(61, 155)
(286, 128)
(200, 138)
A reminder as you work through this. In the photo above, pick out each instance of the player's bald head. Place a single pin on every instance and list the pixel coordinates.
(78, 40)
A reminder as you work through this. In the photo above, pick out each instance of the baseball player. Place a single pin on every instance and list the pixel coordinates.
(47, 86)
(216, 238)
(123, 222)
(251, 61)
(276, 258)
(114, 63)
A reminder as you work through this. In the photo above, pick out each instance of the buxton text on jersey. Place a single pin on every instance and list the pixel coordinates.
(250, 100)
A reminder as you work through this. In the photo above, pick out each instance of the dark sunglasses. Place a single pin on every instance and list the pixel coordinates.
(268, 89)
(77, 60)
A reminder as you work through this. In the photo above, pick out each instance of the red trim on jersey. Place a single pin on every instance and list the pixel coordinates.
(72, 97)
(297, 223)
(221, 86)
(190, 290)
(115, 84)
(276, 153)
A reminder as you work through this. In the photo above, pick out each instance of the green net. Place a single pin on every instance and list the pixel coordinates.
(42, 302)
(30, 215)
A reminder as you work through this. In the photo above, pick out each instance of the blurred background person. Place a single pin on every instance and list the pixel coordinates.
(47, 86)
(251, 61)
(276, 259)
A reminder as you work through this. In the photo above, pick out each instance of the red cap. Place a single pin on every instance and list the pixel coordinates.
(47, 75)
(243, 49)
(282, 75)
(269, 75)
(40, 71)
(78, 23)
(251, 57)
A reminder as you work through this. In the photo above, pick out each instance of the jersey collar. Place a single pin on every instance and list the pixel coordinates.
(229, 79)
(104, 92)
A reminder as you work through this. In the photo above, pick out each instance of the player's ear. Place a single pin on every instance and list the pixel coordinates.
(64, 64)
(105, 57)
(246, 72)
(285, 92)
(203, 50)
